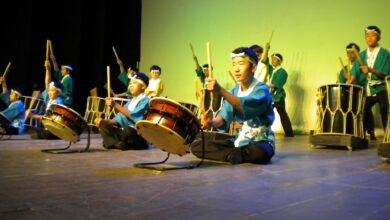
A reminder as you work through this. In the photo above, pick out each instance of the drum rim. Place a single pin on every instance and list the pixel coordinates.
(342, 84)
(44, 119)
(164, 127)
(73, 111)
(177, 104)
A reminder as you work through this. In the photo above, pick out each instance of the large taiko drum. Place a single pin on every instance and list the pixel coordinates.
(64, 122)
(386, 138)
(169, 126)
(339, 110)
(96, 108)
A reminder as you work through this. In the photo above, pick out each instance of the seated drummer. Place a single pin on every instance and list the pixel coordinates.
(120, 132)
(155, 87)
(248, 103)
(62, 75)
(15, 112)
(51, 95)
(125, 76)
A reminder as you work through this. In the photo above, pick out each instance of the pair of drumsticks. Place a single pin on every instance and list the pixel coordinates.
(347, 71)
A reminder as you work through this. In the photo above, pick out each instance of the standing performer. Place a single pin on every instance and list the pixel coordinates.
(277, 81)
(63, 75)
(120, 132)
(374, 62)
(345, 72)
(249, 103)
(155, 87)
(51, 95)
(15, 112)
(262, 70)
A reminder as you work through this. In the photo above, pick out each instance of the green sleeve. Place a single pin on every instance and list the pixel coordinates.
(68, 91)
(279, 79)
(201, 75)
(342, 79)
(57, 75)
(124, 78)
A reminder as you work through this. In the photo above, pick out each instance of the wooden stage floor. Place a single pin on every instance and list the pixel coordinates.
(300, 183)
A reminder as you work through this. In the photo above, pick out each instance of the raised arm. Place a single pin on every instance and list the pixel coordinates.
(47, 74)
(4, 84)
(121, 67)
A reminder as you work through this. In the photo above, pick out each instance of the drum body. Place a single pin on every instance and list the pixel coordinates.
(96, 108)
(169, 126)
(386, 138)
(193, 108)
(340, 110)
(64, 122)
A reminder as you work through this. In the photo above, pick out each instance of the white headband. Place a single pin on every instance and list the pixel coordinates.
(134, 78)
(372, 30)
(16, 92)
(274, 56)
(67, 67)
(52, 85)
(155, 71)
(242, 54)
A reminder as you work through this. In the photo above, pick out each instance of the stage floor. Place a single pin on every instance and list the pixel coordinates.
(300, 183)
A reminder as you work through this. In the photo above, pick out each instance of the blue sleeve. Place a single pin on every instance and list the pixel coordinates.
(140, 109)
(227, 113)
(5, 97)
(14, 111)
(257, 103)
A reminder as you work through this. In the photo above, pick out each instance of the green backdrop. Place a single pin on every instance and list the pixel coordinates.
(310, 34)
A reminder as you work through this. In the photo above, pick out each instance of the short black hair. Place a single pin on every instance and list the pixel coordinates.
(372, 27)
(155, 67)
(278, 55)
(255, 47)
(135, 69)
(248, 52)
(349, 46)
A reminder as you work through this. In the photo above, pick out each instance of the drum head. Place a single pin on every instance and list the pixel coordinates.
(162, 137)
(60, 130)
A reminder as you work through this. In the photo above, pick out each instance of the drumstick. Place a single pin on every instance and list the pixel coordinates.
(231, 75)
(108, 87)
(192, 49)
(348, 69)
(51, 47)
(342, 65)
(115, 53)
(270, 38)
(6, 70)
(93, 92)
(47, 49)
(359, 59)
(208, 46)
(32, 102)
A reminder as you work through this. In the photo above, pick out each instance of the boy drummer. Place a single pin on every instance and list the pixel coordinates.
(249, 103)
(376, 66)
(120, 132)
(15, 112)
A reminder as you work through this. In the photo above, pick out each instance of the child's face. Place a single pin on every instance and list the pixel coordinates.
(242, 69)
(155, 75)
(13, 97)
(53, 93)
(258, 53)
(64, 71)
(372, 39)
(351, 56)
(275, 62)
(206, 71)
(136, 88)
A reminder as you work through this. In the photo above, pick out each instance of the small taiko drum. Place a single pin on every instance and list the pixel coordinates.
(64, 122)
(169, 126)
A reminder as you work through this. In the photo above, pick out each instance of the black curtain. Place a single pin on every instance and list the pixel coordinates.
(82, 33)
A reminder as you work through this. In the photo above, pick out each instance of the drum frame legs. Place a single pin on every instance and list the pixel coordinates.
(165, 168)
(66, 151)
